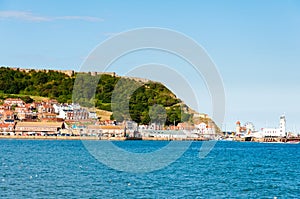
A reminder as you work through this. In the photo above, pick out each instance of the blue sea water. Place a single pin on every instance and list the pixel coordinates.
(65, 169)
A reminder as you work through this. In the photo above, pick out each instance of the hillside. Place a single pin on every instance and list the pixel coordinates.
(58, 85)
(148, 101)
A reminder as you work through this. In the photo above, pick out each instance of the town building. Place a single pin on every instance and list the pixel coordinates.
(8, 115)
(39, 128)
(104, 131)
(276, 132)
(7, 128)
(72, 112)
(248, 130)
(14, 102)
(93, 115)
(205, 129)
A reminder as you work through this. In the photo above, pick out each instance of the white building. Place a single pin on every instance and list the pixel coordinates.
(276, 132)
(205, 129)
(93, 115)
(14, 101)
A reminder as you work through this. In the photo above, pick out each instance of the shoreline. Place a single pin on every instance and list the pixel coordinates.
(23, 137)
(93, 138)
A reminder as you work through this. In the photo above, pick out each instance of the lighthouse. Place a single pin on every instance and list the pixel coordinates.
(282, 127)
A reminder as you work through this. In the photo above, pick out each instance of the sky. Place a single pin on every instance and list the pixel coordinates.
(254, 44)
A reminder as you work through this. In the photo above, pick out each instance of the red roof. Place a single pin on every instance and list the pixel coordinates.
(8, 112)
(2, 125)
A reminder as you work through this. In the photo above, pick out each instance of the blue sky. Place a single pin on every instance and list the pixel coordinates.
(255, 44)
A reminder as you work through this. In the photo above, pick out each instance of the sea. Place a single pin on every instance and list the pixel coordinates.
(66, 169)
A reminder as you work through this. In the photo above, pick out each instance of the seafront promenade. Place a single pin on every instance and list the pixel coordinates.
(26, 137)
(23, 137)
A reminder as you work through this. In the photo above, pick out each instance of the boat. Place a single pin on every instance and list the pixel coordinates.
(274, 142)
(228, 139)
(293, 142)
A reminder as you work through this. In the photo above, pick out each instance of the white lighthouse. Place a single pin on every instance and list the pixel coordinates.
(282, 127)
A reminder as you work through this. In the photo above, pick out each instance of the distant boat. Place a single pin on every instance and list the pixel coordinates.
(274, 142)
(226, 139)
(293, 142)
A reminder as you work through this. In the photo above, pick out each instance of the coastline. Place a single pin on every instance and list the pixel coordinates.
(93, 138)
(23, 137)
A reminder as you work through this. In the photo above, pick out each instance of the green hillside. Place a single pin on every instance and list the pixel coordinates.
(106, 92)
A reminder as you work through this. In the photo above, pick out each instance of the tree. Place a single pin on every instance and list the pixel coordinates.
(158, 114)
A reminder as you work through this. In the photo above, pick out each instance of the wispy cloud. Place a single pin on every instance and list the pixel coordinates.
(21, 15)
(29, 16)
(85, 18)
(110, 34)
